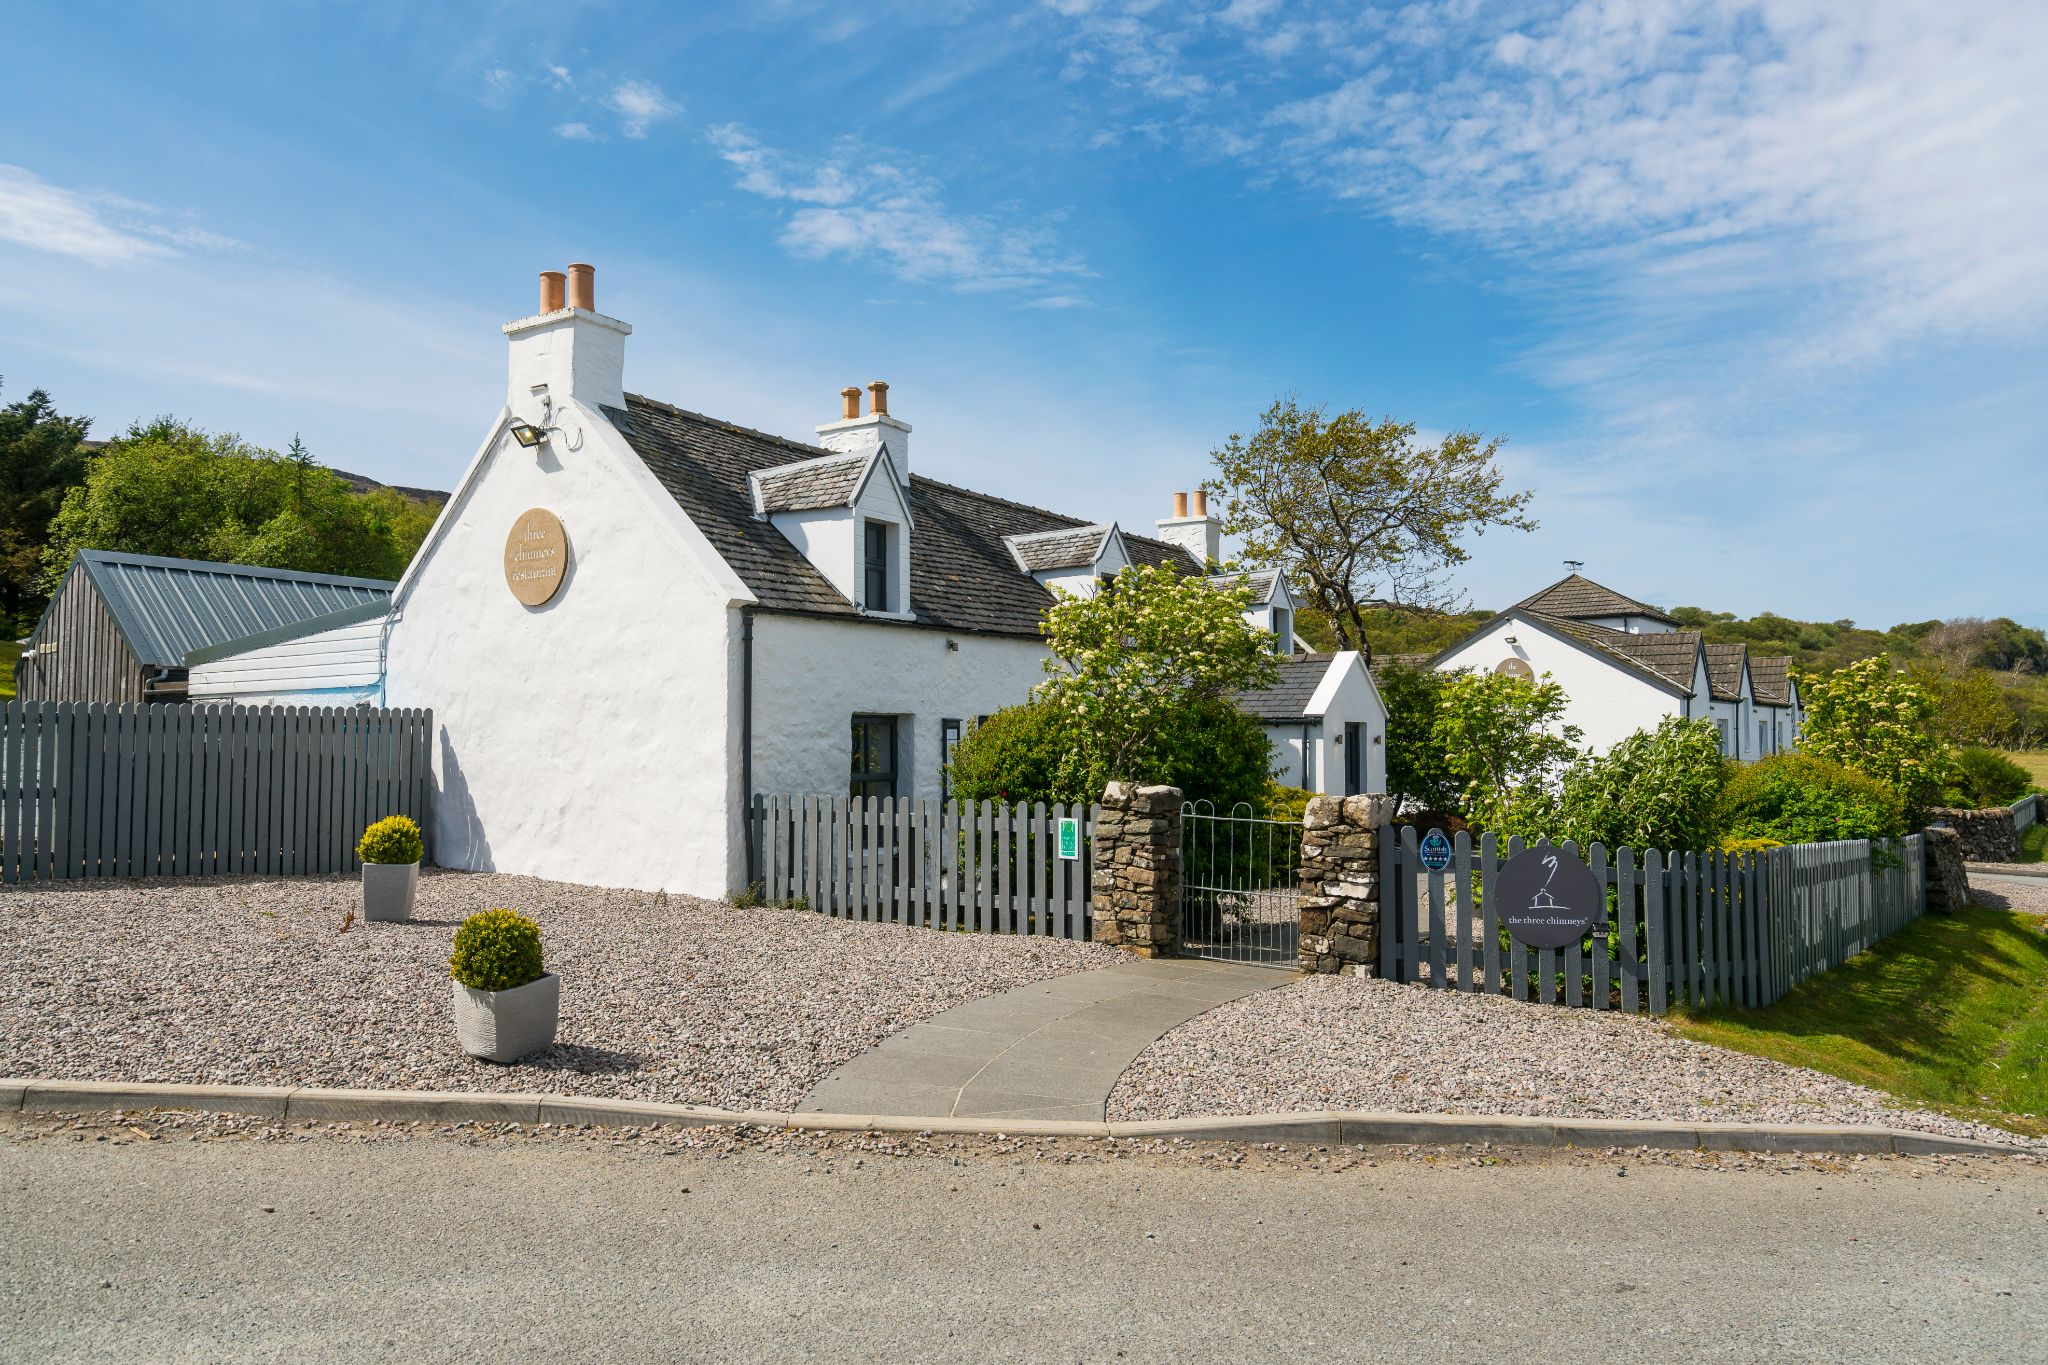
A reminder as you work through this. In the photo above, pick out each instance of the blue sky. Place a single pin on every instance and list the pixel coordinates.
(1756, 291)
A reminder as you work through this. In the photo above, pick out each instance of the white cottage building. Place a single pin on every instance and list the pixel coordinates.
(1624, 666)
(630, 616)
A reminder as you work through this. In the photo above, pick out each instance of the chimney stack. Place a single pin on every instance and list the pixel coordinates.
(583, 287)
(566, 351)
(1201, 535)
(855, 434)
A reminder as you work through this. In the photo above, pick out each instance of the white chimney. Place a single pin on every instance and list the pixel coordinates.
(853, 433)
(566, 350)
(1201, 535)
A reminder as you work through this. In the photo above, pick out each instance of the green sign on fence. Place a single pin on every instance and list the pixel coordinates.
(1070, 838)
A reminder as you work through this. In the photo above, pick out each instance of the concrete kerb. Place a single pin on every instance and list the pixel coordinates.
(291, 1104)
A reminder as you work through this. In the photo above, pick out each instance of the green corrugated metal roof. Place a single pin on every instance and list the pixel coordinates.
(166, 608)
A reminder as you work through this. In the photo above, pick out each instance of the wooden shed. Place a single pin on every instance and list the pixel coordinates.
(121, 627)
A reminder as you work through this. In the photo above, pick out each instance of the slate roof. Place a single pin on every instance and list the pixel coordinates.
(809, 484)
(168, 608)
(1578, 599)
(1288, 698)
(1724, 671)
(1771, 679)
(962, 575)
(1075, 549)
(1262, 581)
(1665, 657)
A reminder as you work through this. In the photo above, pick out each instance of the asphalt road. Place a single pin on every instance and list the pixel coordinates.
(565, 1249)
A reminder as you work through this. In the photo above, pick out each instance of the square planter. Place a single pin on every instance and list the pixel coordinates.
(388, 890)
(503, 1026)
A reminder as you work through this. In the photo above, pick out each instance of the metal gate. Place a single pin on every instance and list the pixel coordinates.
(1240, 886)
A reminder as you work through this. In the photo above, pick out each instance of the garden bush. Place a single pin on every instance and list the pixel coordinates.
(1283, 803)
(1985, 777)
(1212, 751)
(496, 950)
(394, 839)
(1014, 755)
(1655, 789)
(1797, 798)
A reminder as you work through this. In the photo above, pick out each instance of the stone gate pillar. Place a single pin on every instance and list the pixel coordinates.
(1137, 869)
(1340, 883)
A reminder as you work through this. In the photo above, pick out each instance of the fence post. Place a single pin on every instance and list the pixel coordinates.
(1137, 869)
(1340, 884)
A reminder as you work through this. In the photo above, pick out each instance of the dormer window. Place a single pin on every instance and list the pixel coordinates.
(875, 566)
(1283, 631)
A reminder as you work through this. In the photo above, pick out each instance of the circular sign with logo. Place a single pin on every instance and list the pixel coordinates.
(536, 557)
(1548, 898)
(1436, 851)
(1516, 668)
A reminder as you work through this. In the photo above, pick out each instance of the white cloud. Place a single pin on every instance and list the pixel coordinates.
(500, 86)
(559, 77)
(104, 229)
(857, 203)
(640, 105)
(575, 132)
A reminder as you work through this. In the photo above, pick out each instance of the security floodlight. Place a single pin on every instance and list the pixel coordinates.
(527, 435)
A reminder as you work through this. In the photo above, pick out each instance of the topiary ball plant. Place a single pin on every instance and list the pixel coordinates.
(496, 950)
(394, 839)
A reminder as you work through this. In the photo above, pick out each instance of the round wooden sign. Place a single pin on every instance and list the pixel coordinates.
(536, 557)
(1548, 898)
(1516, 668)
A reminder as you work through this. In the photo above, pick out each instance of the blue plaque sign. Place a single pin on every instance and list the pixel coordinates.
(1436, 851)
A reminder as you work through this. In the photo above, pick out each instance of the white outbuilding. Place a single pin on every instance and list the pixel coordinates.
(632, 617)
(1625, 665)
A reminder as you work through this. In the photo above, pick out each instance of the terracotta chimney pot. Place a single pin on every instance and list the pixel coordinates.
(878, 398)
(583, 287)
(1201, 502)
(849, 398)
(551, 291)
(1180, 504)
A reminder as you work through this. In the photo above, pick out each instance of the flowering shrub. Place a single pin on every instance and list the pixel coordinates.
(496, 950)
(394, 839)
(1871, 717)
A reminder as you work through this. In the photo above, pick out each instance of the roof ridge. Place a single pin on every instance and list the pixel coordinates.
(222, 567)
(709, 420)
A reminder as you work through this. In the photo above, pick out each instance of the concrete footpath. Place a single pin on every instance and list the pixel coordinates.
(1050, 1050)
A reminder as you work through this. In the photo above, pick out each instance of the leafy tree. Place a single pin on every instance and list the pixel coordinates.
(166, 488)
(1418, 770)
(1504, 737)
(1983, 778)
(1799, 798)
(1655, 789)
(1969, 705)
(1137, 664)
(1871, 717)
(1359, 514)
(40, 457)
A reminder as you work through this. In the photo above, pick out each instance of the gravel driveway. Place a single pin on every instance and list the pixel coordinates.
(1344, 1042)
(248, 982)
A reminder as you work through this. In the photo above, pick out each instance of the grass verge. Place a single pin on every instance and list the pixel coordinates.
(2034, 844)
(2034, 761)
(1950, 1014)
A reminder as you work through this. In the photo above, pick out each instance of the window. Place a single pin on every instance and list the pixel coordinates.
(949, 740)
(875, 567)
(1283, 630)
(1763, 737)
(1354, 758)
(1723, 726)
(874, 756)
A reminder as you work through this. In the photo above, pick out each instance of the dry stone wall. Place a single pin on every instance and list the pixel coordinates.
(1137, 869)
(1340, 883)
(1987, 836)
(1948, 880)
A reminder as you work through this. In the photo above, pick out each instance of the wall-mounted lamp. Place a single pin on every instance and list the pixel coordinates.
(528, 435)
(952, 646)
(1509, 638)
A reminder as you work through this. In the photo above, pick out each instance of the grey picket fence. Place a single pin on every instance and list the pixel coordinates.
(982, 867)
(1697, 929)
(170, 790)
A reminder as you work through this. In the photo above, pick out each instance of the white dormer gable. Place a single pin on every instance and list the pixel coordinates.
(1272, 607)
(1072, 560)
(846, 514)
